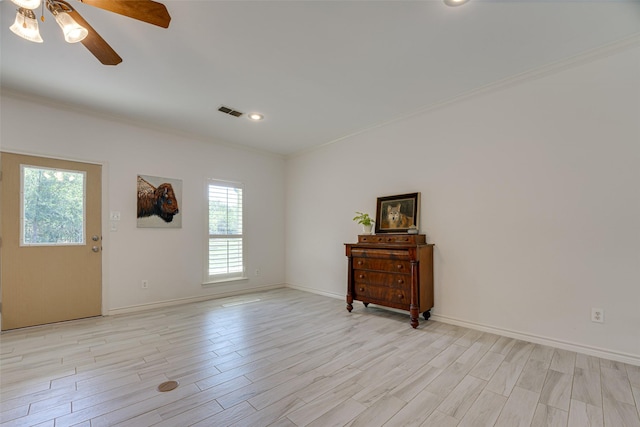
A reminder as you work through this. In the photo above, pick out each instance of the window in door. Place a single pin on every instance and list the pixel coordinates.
(52, 206)
(225, 234)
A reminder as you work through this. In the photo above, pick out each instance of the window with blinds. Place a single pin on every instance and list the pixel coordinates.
(225, 247)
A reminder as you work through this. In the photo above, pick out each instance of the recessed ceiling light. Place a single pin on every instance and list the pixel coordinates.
(255, 116)
(455, 2)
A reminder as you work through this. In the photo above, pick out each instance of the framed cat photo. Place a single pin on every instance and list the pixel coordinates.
(395, 214)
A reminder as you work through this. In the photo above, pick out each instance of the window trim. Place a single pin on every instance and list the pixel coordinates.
(226, 277)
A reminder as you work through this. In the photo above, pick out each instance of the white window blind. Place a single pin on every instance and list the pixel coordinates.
(226, 239)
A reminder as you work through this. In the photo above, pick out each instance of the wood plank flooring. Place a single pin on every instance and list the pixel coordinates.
(298, 359)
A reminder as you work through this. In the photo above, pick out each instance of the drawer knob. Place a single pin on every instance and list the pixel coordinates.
(361, 276)
(400, 281)
(361, 289)
(400, 296)
(399, 266)
(359, 262)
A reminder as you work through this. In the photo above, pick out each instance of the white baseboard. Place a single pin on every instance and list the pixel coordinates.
(178, 301)
(551, 342)
(342, 297)
(536, 339)
(317, 292)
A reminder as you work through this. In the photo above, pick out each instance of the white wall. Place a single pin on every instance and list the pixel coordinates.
(531, 193)
(172, 260)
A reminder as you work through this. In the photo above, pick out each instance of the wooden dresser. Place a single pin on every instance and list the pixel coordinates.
(392, 270)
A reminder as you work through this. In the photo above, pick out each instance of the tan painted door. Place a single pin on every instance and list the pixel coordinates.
(51, 254)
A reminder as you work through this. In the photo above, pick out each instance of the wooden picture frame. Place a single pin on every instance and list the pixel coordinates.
(396, 214)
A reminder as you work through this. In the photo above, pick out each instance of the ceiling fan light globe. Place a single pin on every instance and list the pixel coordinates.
(27, 4)
(73, 32)
(76, 35)
(26, 26)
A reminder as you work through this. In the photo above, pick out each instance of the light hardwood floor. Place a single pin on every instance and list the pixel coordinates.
(297, 359)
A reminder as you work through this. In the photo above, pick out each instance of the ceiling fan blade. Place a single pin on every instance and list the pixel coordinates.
(96, 44)
(143, 10)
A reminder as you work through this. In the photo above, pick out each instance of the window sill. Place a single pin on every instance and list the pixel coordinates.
(231, 279)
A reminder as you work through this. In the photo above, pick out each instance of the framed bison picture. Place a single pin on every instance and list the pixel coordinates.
(159, 202)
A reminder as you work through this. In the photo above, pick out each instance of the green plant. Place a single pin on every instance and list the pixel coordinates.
(363, 218)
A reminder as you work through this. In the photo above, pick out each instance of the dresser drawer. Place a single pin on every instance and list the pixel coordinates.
(395, 253)
(373, 293)
(383, 279)
(381, 264)
(392, 238)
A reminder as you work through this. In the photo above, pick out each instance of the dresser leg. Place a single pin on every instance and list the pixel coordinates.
(349, 302)
(414, 313)
(414, 321)
(414, 310)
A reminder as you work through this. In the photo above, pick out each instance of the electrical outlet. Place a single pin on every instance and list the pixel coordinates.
(114, 216)
(144, 284)
(597, 315)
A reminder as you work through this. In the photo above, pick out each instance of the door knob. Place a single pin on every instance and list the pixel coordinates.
(95, 249)
(95, 238)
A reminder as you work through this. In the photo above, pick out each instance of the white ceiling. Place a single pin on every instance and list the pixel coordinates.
(317, 70)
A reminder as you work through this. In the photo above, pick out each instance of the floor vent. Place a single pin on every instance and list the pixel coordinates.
(229, 111)
(168, 386)
(231, 304)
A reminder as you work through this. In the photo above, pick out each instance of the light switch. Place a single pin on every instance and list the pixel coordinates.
(114, 216)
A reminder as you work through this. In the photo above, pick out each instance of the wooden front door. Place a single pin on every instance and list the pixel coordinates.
(51, 253)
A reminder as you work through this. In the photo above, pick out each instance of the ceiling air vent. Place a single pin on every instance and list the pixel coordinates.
(229, 111)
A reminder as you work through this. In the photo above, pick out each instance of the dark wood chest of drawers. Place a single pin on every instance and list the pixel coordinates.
(392, 270)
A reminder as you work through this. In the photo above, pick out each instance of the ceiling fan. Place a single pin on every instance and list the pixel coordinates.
(77, 29)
